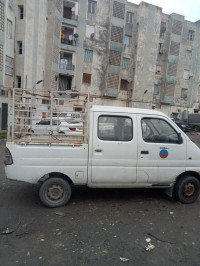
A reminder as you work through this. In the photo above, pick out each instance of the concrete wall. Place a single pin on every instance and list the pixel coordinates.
(32, 32)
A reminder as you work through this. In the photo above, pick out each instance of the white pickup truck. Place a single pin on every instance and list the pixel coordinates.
(127, 148)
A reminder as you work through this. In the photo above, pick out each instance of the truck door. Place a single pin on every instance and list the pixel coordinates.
(113, 150)
(161, 156)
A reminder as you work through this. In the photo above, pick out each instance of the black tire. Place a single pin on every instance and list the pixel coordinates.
(55, 192)
(196, 128)
(187, 189)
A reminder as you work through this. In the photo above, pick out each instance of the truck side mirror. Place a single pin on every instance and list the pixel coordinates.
(180, 140)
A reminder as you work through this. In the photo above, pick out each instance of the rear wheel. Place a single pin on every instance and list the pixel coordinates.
(196, 128)
(187, 189)
(55, 192)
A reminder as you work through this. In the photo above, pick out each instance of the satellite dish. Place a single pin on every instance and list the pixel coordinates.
(76, 35)
(92, 36)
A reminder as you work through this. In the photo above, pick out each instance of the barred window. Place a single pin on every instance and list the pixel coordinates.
(177, 27)
(86, 78)
(174, 48)
(118, 9)
(126, 63)
(116, 34)
(9, 66)
(113, 81)
(2, 16)
(88, 55)
(115, 58)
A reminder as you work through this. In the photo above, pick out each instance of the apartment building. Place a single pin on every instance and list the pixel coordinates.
(121, 53)
(124, 54)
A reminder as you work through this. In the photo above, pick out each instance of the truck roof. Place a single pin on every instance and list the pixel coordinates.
(126, 110)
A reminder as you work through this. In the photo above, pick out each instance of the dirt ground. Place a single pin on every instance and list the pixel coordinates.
(97, 227)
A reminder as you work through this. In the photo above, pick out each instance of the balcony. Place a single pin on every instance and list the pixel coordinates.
(70, 15)
(67, 38)
(66, 65)
(70, 11)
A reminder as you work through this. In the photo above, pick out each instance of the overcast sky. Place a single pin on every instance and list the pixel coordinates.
(188, 8)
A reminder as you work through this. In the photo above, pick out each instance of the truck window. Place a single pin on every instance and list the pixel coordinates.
(157, 130)
(115, 128)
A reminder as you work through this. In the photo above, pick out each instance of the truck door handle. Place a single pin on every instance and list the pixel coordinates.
(98, 150)
(144, 152)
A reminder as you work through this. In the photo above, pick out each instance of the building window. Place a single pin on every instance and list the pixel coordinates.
(162, 28)
(45, 101)
(88, 55)
(1, 16)
(127, 40)
(190, 35)
(65, 83)
(86, 78)
(9, 66)
(186, 74)
(160, 48)
(19, 46)
(184, 93)
(129, 17)
(2, 93)
(92, 5)
(21, 12)
(9, 29)
(18, 81)
(125, 63)
(124, 85)
(156, 89)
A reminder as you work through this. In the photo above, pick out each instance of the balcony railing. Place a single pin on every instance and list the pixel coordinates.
(69, 41)
(71, 17)
(66, 65)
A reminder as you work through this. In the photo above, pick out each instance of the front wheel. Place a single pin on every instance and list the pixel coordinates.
(187, 189)
(55, 192)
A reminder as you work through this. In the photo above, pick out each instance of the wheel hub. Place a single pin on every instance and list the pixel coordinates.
(55, 192)
(189, 190)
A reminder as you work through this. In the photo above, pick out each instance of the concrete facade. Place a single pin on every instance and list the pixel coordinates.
(122, 53)
(7, 32)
